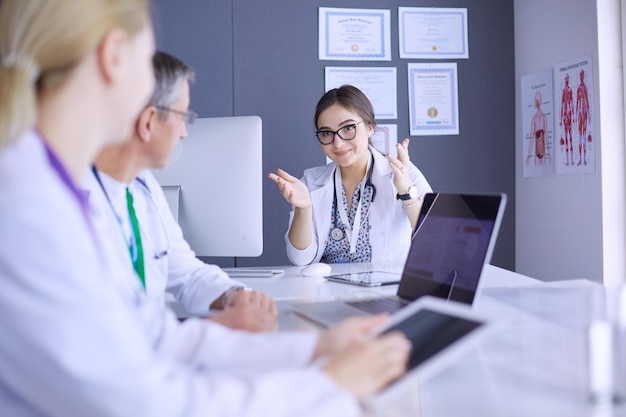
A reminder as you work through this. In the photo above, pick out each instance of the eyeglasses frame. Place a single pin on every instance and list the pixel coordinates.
(336, 133)
(188, 116)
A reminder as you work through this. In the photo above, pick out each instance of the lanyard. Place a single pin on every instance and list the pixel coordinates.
(81, 197)
(352, 231)
(135, 248)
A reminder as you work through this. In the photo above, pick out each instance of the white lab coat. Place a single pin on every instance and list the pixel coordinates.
(77, 337)
(194, 284)
(390, 233)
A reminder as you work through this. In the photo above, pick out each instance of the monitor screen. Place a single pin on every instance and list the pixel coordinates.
(218, 168)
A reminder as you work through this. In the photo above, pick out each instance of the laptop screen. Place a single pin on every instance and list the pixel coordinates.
(452, 242)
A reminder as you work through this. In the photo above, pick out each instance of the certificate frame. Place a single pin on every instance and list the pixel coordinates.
(433, 33)
(379, 84)
(433, 99)
(354, 34)
(385, 138)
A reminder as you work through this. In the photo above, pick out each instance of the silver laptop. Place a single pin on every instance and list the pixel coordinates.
(453, 240)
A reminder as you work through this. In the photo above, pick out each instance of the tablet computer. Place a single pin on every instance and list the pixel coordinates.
(366, 279)
(440, 332)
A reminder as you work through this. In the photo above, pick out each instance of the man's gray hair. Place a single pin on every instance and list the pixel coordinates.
(169, 73)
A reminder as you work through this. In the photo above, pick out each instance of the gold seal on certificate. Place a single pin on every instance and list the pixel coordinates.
(432, 112)
(354, 47)
(434, 48)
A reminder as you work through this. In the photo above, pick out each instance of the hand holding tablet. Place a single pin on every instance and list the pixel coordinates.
(439, 332)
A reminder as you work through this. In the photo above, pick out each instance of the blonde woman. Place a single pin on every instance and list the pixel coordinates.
(78, 338)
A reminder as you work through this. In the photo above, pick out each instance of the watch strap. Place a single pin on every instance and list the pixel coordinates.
(228, 292)
(410, 194)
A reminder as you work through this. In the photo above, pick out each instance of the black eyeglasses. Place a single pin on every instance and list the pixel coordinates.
(188, 116)
(326, 137)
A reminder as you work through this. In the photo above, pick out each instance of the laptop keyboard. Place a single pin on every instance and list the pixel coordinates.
(378, 305)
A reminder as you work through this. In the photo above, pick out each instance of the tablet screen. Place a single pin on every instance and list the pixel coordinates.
(430, 332)
(369, 278)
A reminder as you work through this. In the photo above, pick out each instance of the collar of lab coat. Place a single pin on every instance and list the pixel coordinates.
(381, 169)
(321, 187)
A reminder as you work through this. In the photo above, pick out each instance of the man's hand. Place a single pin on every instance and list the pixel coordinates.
(369, 365)
(251, 311)
(347, 332)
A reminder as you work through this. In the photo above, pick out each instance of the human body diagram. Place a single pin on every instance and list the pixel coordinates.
(576, 123)
(539, 136)
(565, 120)
(583, 116)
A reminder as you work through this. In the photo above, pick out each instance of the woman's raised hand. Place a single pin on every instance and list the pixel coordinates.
(292, 189)
(400, 167)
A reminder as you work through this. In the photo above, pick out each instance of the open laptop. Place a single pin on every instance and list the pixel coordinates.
(454, 239)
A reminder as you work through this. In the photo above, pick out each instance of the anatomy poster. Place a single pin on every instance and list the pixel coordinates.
(574, 117)
(537, 125)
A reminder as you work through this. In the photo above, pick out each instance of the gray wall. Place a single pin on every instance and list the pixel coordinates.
(573, 226)
(262, 58)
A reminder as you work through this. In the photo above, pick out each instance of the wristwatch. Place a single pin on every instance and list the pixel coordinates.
(229, 292)
(410, 194)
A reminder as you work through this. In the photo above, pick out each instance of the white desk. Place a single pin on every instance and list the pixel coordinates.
(534, 365)
(294, 286)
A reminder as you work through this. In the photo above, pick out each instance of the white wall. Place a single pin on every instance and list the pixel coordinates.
(572, 226)
(611, 74)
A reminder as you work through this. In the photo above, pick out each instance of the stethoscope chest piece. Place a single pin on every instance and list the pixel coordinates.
(336, 234)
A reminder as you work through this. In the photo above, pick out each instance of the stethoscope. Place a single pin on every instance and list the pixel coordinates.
(351, 233)
(158, 254)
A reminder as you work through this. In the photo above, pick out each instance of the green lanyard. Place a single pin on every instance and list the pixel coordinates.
(135, 247)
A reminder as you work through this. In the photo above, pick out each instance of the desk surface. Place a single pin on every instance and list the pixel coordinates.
(534, 365)
(294, 286)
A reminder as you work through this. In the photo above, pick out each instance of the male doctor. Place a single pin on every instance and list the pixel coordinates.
(160, 255)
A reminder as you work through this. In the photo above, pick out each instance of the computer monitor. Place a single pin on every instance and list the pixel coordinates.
(218, 168)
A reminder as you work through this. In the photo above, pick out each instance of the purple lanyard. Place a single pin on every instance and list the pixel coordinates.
(82, 197)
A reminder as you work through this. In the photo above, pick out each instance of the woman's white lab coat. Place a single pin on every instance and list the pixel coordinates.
(76, 337)
(390, 233)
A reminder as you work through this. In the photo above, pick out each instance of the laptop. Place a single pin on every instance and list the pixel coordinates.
(454, 239)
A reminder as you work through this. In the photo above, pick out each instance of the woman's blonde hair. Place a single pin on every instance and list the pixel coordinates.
(41, 41)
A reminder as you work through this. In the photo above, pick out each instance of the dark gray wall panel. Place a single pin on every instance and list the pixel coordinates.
(200, 33)
(273, 70)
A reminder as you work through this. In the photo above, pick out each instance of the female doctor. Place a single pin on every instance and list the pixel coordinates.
(363, 206)
(81, 343)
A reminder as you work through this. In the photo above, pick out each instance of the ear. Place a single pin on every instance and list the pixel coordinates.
(146, 123)
(111, 55)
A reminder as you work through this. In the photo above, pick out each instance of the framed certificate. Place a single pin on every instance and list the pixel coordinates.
(432, 33)
(354, 34)
(433, 99)
(379, 84)
(385, 138)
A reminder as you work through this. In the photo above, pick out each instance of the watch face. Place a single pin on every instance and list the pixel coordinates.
(411, 194)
